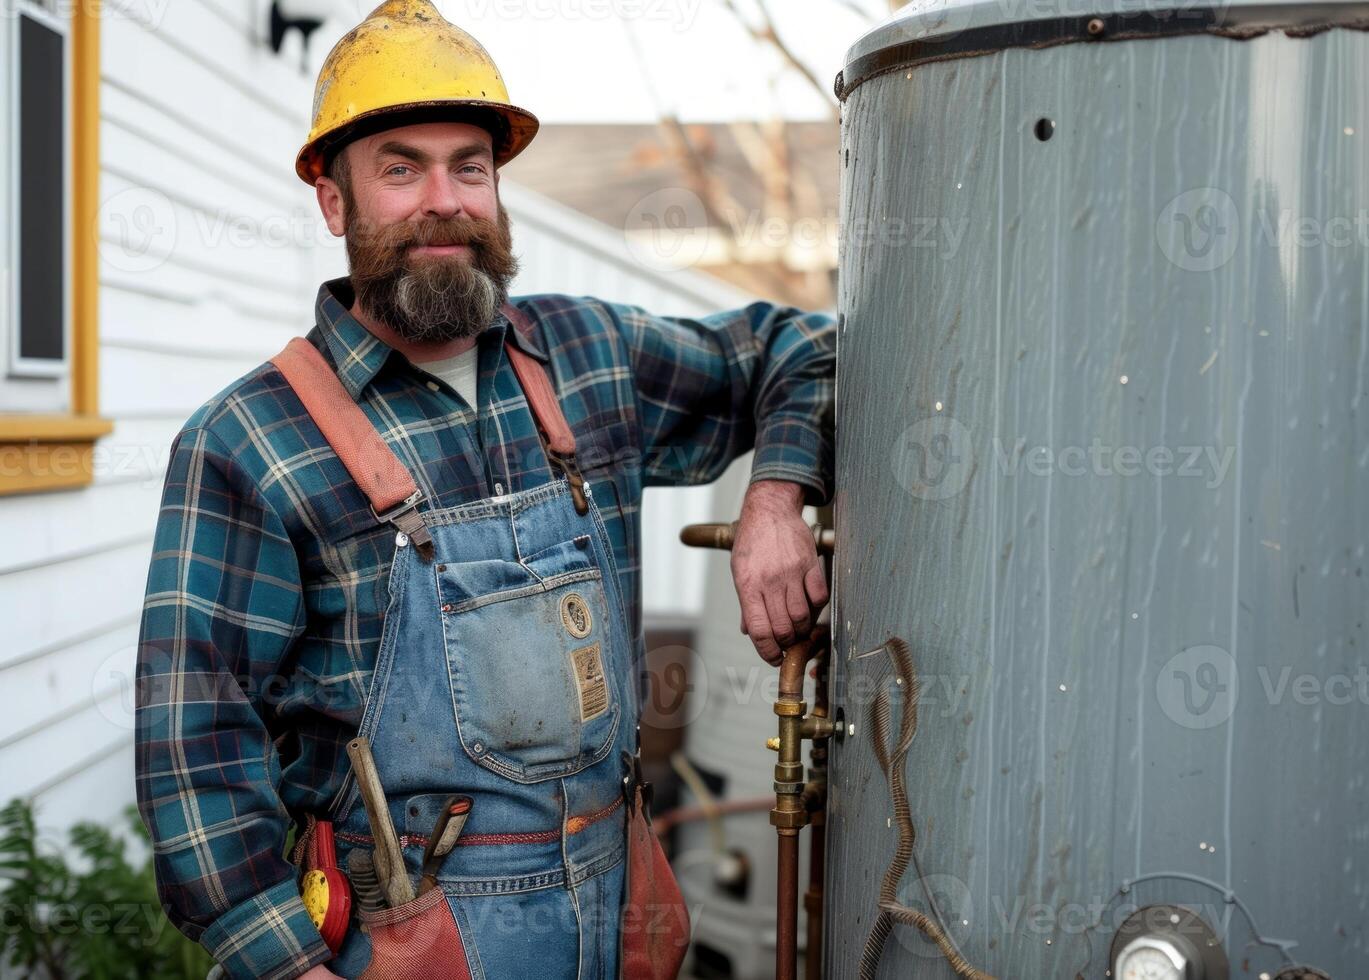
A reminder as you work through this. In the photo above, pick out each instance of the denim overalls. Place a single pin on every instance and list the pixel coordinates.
(505, 673)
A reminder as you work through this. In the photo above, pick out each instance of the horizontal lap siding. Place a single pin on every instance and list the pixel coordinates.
(199, 125)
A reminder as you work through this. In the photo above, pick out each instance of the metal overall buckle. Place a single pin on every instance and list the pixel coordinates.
(567, 465)
(633, 781)
(406, 519)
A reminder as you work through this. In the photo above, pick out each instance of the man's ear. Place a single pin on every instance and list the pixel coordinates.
(331, 203)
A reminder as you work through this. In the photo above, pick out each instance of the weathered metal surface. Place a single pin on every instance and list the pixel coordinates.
(1102, 462)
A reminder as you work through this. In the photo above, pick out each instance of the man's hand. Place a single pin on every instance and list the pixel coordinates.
(775, 568)
(319, 973)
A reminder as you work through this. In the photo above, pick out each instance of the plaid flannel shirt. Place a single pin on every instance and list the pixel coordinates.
(266, 592)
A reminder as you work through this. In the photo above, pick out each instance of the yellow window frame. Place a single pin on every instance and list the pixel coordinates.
(57, 451)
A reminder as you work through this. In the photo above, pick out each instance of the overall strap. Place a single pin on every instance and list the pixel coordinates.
(558, 442)
(377, 471)
(385, 481)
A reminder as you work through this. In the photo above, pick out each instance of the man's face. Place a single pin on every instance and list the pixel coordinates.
(427, 239)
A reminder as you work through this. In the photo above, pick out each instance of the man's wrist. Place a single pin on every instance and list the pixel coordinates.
(777, 495)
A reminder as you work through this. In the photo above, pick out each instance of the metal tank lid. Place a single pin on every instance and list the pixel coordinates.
(942, 30)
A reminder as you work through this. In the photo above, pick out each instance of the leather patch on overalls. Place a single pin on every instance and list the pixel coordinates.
(588, 667)
(575, 615)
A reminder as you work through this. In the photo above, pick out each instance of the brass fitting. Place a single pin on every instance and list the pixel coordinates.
(817, 727)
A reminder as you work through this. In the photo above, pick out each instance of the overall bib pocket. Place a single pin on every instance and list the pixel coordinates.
(527, 642)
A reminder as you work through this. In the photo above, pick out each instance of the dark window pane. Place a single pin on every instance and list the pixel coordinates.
(42, 154)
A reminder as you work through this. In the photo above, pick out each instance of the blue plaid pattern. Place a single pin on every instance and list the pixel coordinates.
(268, 582)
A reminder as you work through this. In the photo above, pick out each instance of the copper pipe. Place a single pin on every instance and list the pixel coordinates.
(815, 799)
(812, 899)
(795, 799)
(796, 659)
(787, 908)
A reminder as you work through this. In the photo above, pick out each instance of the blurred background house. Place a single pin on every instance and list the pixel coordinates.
(156, 245)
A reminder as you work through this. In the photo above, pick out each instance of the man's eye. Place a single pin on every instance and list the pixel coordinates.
(399, 170)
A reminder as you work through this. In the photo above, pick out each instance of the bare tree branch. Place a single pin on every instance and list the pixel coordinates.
(767, 34)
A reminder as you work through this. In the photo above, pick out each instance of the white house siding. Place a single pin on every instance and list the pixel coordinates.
(200, 124)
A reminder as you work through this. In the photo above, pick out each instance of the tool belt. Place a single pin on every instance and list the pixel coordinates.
(419, 939)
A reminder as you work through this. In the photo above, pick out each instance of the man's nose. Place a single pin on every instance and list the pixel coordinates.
(440, 198)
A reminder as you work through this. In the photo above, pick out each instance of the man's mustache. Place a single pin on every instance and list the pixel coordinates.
(474, 232)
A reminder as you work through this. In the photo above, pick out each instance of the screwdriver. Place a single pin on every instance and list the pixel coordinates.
(450, 820)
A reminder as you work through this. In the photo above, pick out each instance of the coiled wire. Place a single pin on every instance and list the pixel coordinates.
(893, 764)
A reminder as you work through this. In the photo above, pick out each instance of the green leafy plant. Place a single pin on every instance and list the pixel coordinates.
(94, 916)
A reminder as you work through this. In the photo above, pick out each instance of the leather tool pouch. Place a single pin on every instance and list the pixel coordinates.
(654, 933)
(416, 941)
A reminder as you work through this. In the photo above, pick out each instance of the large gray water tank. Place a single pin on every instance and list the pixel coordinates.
(1102, 364)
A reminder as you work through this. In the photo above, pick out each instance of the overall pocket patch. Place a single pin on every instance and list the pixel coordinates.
(526, 646)
(575, 615)
(588, 667)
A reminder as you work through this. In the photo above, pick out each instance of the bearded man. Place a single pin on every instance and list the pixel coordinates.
(408, 547)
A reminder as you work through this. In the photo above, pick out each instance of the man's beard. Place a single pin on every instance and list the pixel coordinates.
(438, 298)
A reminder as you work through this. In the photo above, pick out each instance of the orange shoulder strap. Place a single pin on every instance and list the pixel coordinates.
(537, 389)
(372, 464)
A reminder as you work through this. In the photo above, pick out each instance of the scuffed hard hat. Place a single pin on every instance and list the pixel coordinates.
(406, 64)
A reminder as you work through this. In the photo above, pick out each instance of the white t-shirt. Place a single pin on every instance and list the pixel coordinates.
(460, 372)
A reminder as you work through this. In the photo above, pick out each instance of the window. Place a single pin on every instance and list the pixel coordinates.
(49, 185)
(40, 341)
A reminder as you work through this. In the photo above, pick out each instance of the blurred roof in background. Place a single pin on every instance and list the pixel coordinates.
(768, 231)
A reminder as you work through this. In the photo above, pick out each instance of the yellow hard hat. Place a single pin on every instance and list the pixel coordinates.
(403, 64)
